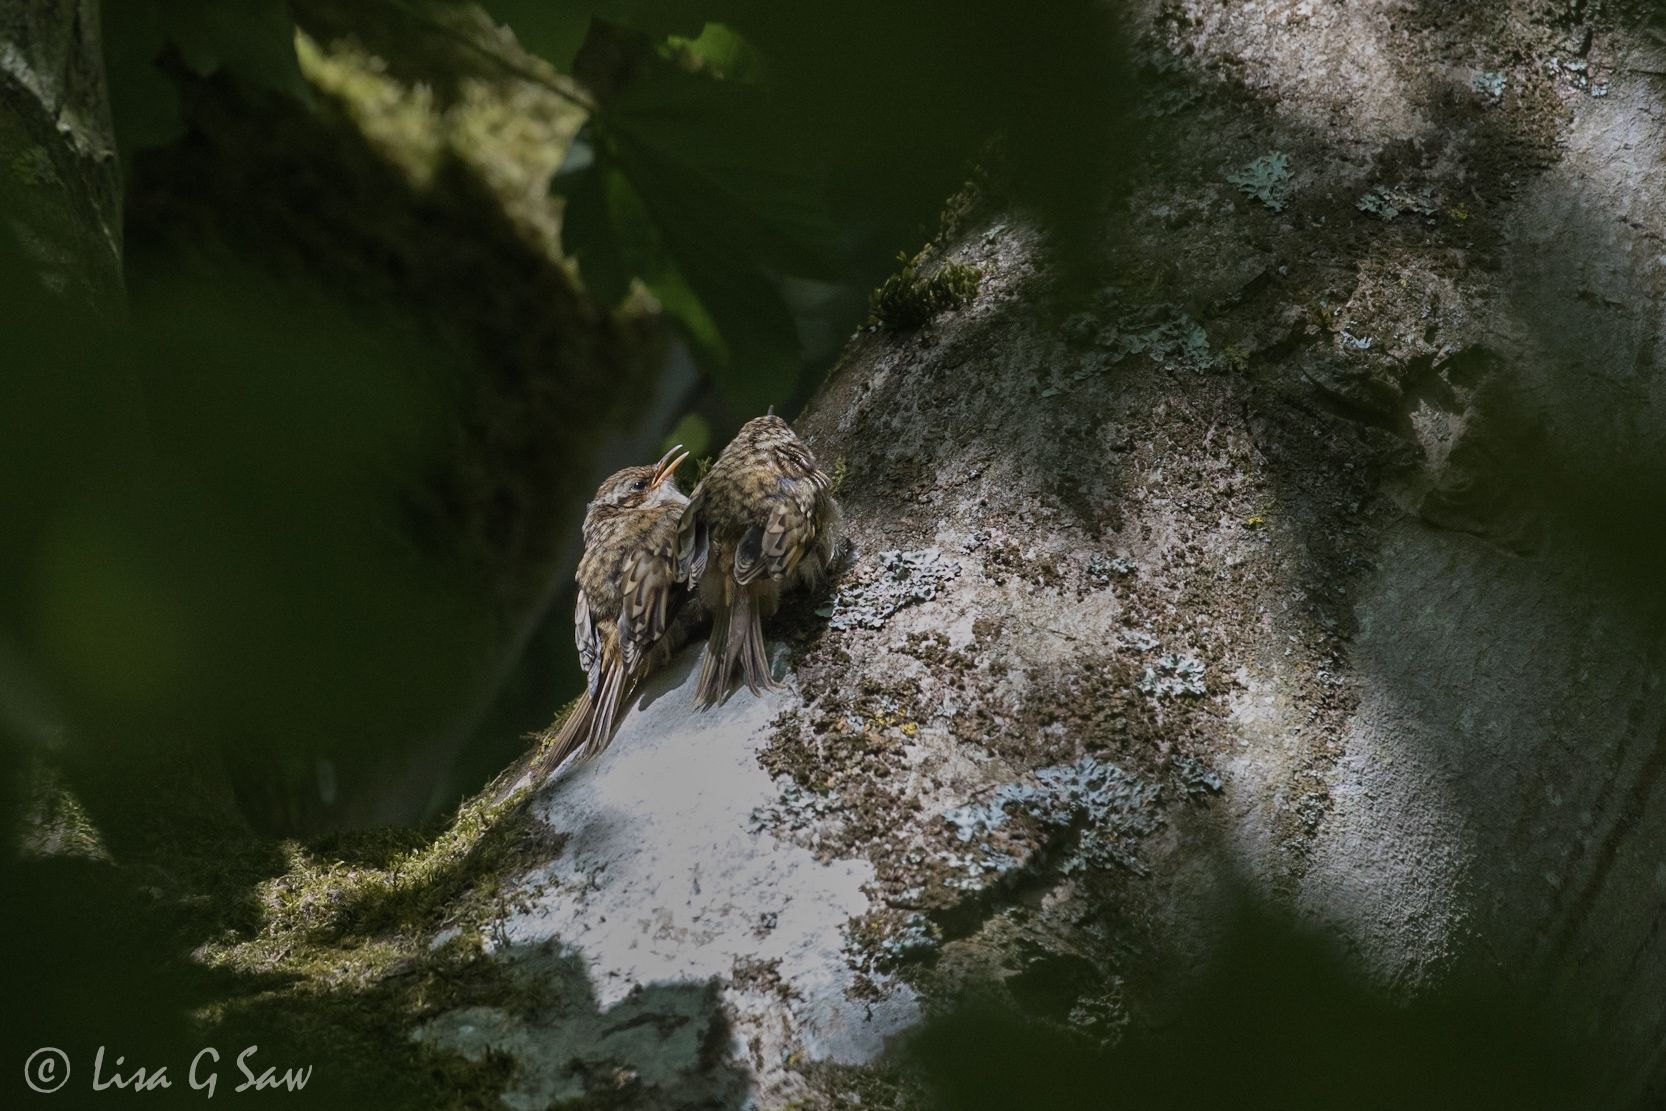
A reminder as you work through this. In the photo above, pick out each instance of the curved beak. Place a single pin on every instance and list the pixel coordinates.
(667, 466)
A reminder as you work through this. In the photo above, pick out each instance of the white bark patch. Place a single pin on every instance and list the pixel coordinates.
(667, 879)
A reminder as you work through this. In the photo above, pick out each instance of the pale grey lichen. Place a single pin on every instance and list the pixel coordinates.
(903, 579)
(1101, 567)
(1138, 639)
(1196, 777)
(1387, 202)
(1267, 179)
(1163, 332)
(1490, 83)
(915, 940)
(1109, 807)
(1173, 676)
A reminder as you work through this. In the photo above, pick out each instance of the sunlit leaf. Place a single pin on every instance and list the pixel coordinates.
(722, 50)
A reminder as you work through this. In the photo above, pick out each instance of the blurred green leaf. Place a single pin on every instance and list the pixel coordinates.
(722, 50)
(587, 231)
(694, 432)
(693, 185)
(554, 31)
(144, 102)
(1276, 1017)
(654, 18)
(771, 146)
(721, 167)
(253, 40)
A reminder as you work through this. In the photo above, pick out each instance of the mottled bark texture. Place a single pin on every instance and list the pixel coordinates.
(59, 182)
(1307, 548)
(1310, 550)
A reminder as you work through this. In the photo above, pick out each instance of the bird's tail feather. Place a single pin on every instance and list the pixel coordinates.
(748, 646)
(589, 726)
(736, 642)
(714, 674)
(605, 722)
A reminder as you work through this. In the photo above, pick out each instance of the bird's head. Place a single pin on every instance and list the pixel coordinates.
(639, 487)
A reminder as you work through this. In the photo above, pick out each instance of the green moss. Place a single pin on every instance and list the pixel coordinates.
(55, 824)
(327, 949)
(512, 133)
(343, 948)
(836, 477)
(383, 882)
(546, 736)
(908, 299)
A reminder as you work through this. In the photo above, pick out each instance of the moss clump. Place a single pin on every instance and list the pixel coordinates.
(836, 477)
(55, 824)
(908, 300)
(362, 938)
(512, 132)
(332, 951)
(547, 735)
(385, 882)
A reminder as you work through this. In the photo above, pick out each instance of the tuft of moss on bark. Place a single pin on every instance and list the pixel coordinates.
(908, 299)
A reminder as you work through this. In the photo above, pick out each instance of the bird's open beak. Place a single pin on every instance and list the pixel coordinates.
(667, 466)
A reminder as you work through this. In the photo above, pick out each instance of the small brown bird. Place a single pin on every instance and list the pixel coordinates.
(628, 597)
(761, 521)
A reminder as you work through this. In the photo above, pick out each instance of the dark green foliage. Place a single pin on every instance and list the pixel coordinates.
(254, 40)
(908, 300)
(754, 165)
(740, 145)
(268, 554)
(704, 217)
(1278, 1018)
(208, 545)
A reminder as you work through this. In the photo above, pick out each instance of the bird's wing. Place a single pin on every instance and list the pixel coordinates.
(589, 641)
(795, 459)
(693, 538)
(776, 548)
(749, 557)
(650, 594)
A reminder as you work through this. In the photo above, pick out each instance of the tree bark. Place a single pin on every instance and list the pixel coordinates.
(61, 187)
(1308, 549)
(1311, 554)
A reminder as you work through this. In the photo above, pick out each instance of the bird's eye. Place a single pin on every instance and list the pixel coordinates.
(639, 485)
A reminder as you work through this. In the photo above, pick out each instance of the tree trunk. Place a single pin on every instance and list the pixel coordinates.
(1313, 553)
(60, 186)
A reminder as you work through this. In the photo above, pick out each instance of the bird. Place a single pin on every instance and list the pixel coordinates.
(762, 521)
(629, 597)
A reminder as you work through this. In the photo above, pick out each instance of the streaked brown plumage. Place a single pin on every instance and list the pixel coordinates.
(760, 522)
(628, 598)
